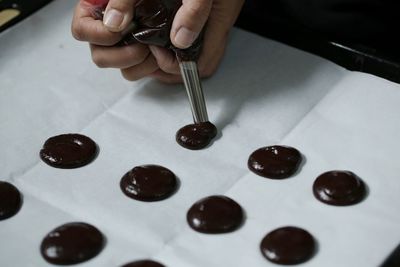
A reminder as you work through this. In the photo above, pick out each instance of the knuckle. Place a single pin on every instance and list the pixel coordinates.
(129, 75)
(168, 65)
(199, 8)
(77, 31)
(98, 60)
(136, 54)
(106, 38)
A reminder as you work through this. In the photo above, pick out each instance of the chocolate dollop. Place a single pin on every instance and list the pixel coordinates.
(215, 215)
(149, 183)
(72, 243)
(10, 200)
(196, 136)
(339, 188)
(143, 263)
(275, 162)
(68, 151)
(288, 246)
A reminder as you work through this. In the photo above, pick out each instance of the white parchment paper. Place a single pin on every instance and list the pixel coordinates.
(264, 93)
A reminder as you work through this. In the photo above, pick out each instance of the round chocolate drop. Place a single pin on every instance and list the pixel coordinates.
(10, 200)
(275, 162)
(339, 188)
(196, 136)
(68, 151)
(288, 246)
(143, 263)
(149, 183)
(72, 243)
(215, 215)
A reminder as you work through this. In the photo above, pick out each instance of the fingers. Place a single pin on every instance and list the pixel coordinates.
(165, 77)
(119, 57)
(214, 44)
(189, 21)
(118, 14)
(146, 68)
(220, 21)
(166, 59)
(85, 28)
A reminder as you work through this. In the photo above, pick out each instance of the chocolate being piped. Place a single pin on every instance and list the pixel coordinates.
(72, 243)
(154, 19)
(68, 151)
(275, 162)
(215, 215)
(288, 246)
(10, 200)
(196, 136)
(153, 22)
(339, 188)
(149, 183)
(143, 263)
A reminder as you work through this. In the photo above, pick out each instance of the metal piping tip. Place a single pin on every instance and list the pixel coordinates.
(190, 75)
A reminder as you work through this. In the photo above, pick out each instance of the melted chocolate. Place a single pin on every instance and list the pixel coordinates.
(275, 162)
(68, 151)
(10, 200)
(144, 263)
(72, 243)
(154, 22)
(339, 188)
(196, 136)
(288, 245)
(149, 183)
(215, 215)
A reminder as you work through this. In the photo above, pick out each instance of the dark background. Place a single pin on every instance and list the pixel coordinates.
(359, 35)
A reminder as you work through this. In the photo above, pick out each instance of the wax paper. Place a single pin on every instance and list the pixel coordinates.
(264, 93)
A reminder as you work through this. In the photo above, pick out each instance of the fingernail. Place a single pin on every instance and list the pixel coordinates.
(185, 38)
(113, 19)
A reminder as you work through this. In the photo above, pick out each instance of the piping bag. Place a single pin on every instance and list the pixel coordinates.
(152, 25)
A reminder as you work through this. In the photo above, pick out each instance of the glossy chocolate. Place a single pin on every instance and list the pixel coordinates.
(196, 136)
(68, 151)
(149, 183)
(275, 162)
(72, 243)
(339, 188)
(144, 263)
(215, 215)
(153, 21)
(288, 246)
(10, 200)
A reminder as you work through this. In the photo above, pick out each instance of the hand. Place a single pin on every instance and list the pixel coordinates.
(220, 15)
(136, 61)
(102, 35)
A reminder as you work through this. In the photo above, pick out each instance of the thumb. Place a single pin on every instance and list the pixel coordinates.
(118, 14)
(189, 21)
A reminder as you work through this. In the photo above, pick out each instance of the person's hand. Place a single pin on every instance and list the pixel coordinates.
(102, 35)
(218, 16)
(136, 61)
